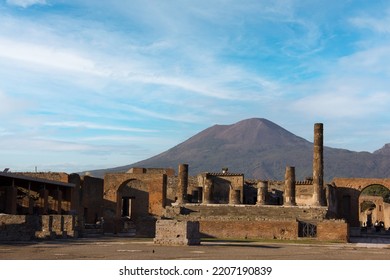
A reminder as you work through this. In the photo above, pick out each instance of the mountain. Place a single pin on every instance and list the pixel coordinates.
(261, 149)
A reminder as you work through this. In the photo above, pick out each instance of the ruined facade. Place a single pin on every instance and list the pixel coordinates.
(221, 204)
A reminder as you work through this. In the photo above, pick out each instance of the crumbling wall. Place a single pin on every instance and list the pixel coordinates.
(28, 227)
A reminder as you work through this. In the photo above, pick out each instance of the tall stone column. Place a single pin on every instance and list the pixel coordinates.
(262, 190)
(318, 164)
(207, 190)
(289, 186)
(182, 184)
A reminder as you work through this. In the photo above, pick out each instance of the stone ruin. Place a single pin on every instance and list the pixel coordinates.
(174, 232)
(154, 202)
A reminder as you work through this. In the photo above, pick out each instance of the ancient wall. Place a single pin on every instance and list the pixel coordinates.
(174, 232)
(225, 187)
(91, 198)
(304, 193)
(333, 230)
(348, 192)
(143, 195)
(28, 227)
(269, 229)
(244, 212)
(161, 171)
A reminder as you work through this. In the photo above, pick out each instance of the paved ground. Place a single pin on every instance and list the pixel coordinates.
(116, 248)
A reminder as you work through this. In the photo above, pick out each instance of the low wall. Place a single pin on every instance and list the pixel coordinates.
(333, 230)
(249, 229)
(29, 227)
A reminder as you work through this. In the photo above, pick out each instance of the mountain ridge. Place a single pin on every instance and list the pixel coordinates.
(262, 149)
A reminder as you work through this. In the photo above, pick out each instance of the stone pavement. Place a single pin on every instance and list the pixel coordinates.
(122, 248)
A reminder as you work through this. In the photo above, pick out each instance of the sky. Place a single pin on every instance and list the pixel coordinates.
(94, 84)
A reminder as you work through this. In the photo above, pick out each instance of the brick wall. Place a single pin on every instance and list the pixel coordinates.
(333, 230)
(249, 229)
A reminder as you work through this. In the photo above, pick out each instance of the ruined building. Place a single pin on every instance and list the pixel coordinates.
(222, 204)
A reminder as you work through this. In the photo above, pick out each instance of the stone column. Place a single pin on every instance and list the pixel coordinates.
(207, 190)
(234, 196)
(318, 165)
(289, 186)
(182, 184)
(262, 190)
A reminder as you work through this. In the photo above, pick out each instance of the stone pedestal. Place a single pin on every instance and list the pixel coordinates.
(174, 232)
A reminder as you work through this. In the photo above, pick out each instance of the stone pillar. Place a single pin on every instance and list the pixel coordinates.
(318, 165)
(12, 192)
(234, 196)
(262, 190)
(59, 202)
(182, 184)
(289, 186)
(207, 191)
(75, 203)
(45, 194)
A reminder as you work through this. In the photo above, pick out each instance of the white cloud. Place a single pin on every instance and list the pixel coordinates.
(46, 56)
(86, 125)
(10, 105)
(26, 3)
(341, 102)
(376, 24)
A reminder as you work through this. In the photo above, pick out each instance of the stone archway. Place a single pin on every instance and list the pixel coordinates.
(132, 199)
(374, 205)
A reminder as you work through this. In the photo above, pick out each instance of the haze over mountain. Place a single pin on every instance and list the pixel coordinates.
(261, 149)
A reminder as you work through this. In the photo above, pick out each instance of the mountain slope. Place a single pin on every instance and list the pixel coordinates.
(261, 149)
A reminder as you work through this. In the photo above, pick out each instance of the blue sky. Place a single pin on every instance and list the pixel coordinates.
(94, 84)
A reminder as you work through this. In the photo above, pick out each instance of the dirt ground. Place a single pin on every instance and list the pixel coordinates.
(121, 248)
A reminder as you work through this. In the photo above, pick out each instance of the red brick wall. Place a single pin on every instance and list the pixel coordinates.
(332, 231)
(249, 229)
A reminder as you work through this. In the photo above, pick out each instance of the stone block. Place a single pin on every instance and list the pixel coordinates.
(174, 232)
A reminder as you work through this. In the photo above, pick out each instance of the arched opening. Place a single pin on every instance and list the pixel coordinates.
(132, 204)
(374, 206)
(132, 199)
